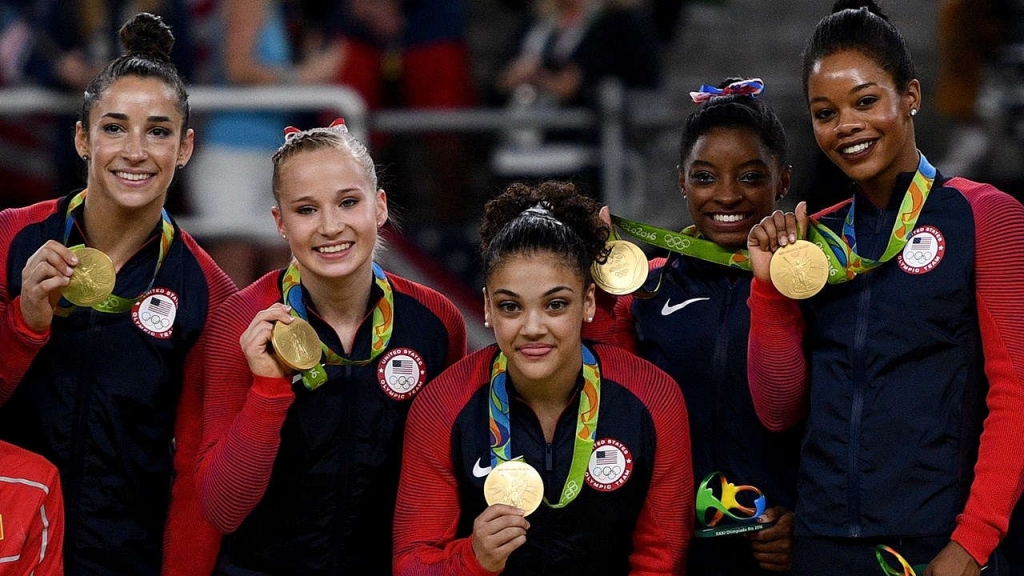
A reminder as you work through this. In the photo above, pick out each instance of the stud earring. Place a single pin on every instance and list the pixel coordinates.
(180, 166)
(284, 236)
(85, 157)
(487, 324)
(913, 111)
(590, 318)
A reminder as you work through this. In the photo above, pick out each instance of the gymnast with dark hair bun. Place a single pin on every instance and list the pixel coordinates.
(102, 300)
(543, 453)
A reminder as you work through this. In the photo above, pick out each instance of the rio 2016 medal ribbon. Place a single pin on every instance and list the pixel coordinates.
(93, 278)
(514, 483)
(624, 271)
(799, 270)
(717, 500)
(297, 345)
(905, 568)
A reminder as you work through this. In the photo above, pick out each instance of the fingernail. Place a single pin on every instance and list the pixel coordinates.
(783, 241)
(69, 271)
(74, 259)
(792, 237)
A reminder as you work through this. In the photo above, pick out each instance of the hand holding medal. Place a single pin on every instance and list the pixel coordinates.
(798, 268)
(93, 278)
(514, 483)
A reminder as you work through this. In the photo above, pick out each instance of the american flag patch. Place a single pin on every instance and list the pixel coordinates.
(921, 243)
(159, 306)
(403, 367)
(607, 457)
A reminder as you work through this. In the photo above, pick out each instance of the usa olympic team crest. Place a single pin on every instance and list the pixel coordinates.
(401, 372)
(154, 313)
(610, 466)
(923, 252)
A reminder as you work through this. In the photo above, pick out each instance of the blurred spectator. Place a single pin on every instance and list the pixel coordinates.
(230, 176)
(969, 34)
(410, 54)
(561, 58)
(571, 45)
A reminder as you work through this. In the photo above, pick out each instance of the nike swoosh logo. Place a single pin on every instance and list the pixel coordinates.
(480, 472)
(666, 309)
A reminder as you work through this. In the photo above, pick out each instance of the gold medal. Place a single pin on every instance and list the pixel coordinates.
(297, 345)
(799, 270)
(93, 278)
(624, 271)
(514, 483)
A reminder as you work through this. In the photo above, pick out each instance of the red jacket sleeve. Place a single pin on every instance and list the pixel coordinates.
(999, 269)
(20, 343)
(191, 543)
(776, 364)
(664, 528)
(614, 323)
(242, 415)
(45, 536)
(427, 511)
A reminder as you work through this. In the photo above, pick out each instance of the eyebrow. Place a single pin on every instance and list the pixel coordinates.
(119, 116)
(309, 198)
(854, 90)
(755, 162)
(548, 293)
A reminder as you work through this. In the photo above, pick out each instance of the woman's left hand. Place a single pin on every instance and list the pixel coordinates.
(953, 560)
(773, 546)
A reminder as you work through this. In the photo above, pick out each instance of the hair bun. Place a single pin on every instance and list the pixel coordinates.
(145, 35)
(871, 5)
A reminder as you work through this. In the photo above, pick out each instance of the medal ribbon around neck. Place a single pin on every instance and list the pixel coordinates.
(115, 304)
(586, 424)
(383, 322)
(844, 262)
(687, 242)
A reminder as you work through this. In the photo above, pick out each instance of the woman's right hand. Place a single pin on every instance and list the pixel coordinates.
(497, 532)
(45, 273)
(255, 342)
(773, 232)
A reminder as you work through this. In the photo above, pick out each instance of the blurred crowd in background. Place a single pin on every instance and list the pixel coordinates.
(425, 55)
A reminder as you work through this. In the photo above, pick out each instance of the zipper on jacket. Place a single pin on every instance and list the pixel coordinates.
(549, 459)
(857, 410)
(719, 362)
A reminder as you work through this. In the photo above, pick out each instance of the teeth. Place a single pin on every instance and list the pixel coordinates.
(858, 148)
(728, 217)
(335, 248)
(132, 177)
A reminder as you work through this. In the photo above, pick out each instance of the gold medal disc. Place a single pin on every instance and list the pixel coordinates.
(799, 270)
(297, 345)
(624, 271)
(93, 278)
(514, 483)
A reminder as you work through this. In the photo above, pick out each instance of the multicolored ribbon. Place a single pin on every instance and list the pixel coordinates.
(751, 87)
(724, 505)
(115, 304)
(383, 322)
(844, 262)
(586, 425)
(887, 568)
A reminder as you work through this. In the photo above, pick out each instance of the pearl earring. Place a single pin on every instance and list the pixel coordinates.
(85, 157)
(487, 324)
(590, 318)
(913, 111)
